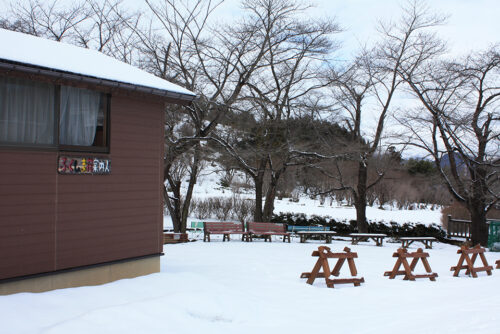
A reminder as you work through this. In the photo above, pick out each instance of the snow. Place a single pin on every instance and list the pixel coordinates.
(60, 56)
(238, 287)
(316, 232)
(207, 186)
(417, 238)
(345, 213)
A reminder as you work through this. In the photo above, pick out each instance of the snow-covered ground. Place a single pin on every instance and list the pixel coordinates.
(237, 287)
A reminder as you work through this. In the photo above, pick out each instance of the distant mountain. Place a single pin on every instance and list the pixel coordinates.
(445, 161)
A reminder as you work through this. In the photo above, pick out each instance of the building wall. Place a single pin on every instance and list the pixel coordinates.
(27, 212)
(51, 222)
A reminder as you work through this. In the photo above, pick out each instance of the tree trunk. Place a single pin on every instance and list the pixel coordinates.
(258, 180)
(259, 188)
(174, 208)
(479, 228)
(171, 203)
(360, 198)
(269, 204)
(477, 203)
(271, 194)
(189, 193)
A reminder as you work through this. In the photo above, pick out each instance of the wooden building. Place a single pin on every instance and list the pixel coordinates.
(81, 165)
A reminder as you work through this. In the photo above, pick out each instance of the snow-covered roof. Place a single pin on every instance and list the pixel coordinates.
(26, 49)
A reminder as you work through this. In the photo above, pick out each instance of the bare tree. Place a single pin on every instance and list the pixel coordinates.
(460, 128)
(366, 89)
(110, 29)
(47, 19)
(279, 92)
(188, 165)
(215, 63)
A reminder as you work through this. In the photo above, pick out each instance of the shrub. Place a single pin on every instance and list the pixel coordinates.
(344, 228)
(222, 208)
(424, 167)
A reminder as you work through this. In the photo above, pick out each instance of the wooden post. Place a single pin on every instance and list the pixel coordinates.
(402, 255)
(449, 227)
(323, 253)
(464, 252)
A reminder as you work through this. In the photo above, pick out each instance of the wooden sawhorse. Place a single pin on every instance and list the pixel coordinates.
(469, 262)
(324, 254)
(402, 255)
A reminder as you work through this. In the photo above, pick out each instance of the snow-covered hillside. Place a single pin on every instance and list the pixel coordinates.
(208, 186)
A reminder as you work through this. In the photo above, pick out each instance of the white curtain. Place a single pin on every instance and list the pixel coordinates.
(78, 117)
(26, 112)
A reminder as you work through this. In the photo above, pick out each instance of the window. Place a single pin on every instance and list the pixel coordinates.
(26, 112)
(29, 115)
(82, 119)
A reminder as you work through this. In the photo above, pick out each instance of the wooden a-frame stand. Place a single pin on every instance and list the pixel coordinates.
(324, 254)
(469, 262)
(402, 255)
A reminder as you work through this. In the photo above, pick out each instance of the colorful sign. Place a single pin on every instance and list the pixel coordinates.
(84, 165)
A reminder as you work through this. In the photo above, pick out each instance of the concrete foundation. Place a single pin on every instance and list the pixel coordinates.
(82, 277)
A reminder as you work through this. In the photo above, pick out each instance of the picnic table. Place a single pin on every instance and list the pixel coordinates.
(407, 241)
(377, 237)
(327, 235)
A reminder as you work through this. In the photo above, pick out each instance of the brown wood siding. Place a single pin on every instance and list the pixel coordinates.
(103, 218)
(50, 222)
(27, 212)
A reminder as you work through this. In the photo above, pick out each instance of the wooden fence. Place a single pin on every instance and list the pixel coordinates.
(458, 228)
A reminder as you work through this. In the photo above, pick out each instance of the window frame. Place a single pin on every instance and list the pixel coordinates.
(55, 146)
(106, 129)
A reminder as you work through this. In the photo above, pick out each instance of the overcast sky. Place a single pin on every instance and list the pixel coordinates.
(472, 24)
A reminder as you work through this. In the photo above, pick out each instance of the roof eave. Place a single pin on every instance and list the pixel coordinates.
(57, 74)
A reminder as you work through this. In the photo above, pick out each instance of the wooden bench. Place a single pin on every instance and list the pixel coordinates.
(357, 237)
(267, 230)
(224, 228)
(407, 241)
(195, 226)
(327, 235)
(297, 228)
